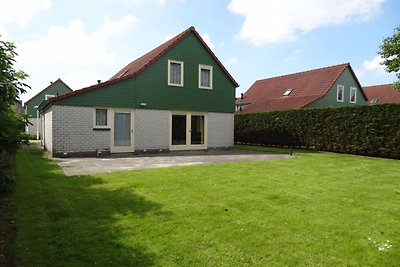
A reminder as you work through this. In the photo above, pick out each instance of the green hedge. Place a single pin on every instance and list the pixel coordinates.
(367, 130)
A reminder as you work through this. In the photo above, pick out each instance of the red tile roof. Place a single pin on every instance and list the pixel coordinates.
(384, 93)
(138, 65)
(308, 86)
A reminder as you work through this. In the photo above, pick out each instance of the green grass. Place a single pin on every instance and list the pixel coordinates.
(317, 209)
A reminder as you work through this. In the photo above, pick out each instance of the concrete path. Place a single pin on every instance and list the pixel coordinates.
(80, 166)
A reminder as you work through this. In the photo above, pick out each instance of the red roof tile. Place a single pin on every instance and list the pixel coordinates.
(384, 93)
(138, 65)
(308, 86)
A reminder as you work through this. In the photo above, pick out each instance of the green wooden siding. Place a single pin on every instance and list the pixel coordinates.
(329, 100)
(117, 95)
(151, 85)
(55, 88)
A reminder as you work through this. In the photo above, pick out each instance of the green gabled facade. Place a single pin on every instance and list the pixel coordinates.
(56, 88)
(150, 86)
(347, 80)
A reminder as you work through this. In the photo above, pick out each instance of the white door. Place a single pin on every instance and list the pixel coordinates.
(122, 131)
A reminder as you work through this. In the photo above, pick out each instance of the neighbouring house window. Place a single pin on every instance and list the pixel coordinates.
(205, 77)
(101, 117)
(340, 93)
(353, 95)
(175, 73)
(48, 96)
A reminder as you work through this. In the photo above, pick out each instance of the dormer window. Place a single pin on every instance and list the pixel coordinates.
(287, 92)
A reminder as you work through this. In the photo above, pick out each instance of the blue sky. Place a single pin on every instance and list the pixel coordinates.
(83, 41)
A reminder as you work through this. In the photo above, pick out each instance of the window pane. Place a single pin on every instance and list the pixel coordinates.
(353, 95)
(122, 131)
(197, 133)
(205, 78)
(179, 129)
(101, 117)
(175, 73)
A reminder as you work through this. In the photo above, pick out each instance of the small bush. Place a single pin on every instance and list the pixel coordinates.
(366, 130)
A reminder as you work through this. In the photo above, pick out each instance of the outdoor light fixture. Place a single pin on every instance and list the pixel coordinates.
(143, 104)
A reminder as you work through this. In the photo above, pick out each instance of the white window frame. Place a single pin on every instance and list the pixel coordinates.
(340, 88)
(206, 67)
(355, 94)
(169, 73)
(288, 92)
(48, 96)
(107, 126)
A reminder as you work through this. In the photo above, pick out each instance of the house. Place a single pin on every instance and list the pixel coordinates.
(55, 88)
(334, 86)
(382, 94)
(178, 96)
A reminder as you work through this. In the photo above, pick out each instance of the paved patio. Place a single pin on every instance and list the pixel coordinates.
(80, 166)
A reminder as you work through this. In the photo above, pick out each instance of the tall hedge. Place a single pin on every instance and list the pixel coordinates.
(366, 130)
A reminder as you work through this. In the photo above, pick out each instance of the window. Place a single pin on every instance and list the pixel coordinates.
(205, 77)
(340, 93)
(48, 96)
(287, 92)
(100, 119)
(373, 101)
(353, 95)
(175, 73)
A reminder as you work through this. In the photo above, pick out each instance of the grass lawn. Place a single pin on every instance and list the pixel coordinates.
(317, 209)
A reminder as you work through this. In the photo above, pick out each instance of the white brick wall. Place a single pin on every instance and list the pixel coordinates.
(151, 129)
(220, 129)
(73, 130)
(48, 126)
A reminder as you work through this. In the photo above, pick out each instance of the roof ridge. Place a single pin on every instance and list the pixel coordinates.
(301, 72)
(385, 84)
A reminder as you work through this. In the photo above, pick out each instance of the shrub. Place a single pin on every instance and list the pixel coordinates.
(365, 130)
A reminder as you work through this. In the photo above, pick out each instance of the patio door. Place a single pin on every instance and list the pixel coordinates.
(122, 131)
(188, 131)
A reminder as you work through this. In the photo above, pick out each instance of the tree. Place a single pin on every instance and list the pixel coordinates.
(12, 123)
(389, 50)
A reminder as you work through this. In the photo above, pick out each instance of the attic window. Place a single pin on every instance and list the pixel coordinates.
(175, 73)
(287, 92)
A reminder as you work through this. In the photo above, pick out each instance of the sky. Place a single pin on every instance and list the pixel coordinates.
(85, 41)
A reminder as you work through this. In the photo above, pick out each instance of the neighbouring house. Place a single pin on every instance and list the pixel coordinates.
(382, 94)
(54, 89)
(334, 86)
(178, 96)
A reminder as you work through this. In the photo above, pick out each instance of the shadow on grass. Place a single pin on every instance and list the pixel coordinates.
(87, 220)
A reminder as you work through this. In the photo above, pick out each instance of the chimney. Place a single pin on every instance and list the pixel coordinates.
(98, 81)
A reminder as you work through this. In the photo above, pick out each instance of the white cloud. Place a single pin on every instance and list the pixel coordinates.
(80, 79)
(207, 40)
(284, 20)
(372, 68)
(19, 12)
(231, 61)
(73, 45)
